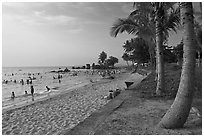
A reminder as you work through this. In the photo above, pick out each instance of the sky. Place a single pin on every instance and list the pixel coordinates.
(62, 33)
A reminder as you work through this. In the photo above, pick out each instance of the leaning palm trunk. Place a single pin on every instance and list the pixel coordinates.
(160, 62)
(178, 113)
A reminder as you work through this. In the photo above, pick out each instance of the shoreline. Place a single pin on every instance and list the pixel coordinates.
(61, 112)
(23, 100)
(40, 98)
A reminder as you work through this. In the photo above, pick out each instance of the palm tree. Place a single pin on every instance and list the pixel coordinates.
(138, 23)
(165, 20)
(178, 113)
(159, 15)
(141, 22)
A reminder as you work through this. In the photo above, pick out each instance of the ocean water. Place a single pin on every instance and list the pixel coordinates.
(43, 78)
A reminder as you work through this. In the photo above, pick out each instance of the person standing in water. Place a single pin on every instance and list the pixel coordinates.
(32, 90)
(22, 82)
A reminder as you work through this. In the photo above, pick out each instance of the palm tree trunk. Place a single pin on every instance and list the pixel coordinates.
(156, 71)
(159, 51)
(178, 113)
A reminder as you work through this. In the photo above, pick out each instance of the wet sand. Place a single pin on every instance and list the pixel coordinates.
(60, 112)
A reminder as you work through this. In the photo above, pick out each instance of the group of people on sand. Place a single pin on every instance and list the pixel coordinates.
(108, 72)
(102, 73)
(59, 77)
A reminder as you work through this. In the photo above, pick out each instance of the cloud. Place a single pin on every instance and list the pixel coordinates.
(14, 4)
(40, 16)
(60, 19)
(73, 16)
(39, 13)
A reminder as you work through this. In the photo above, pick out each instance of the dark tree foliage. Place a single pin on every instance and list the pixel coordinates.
(104, 62)
(111, 61)
(178, 51)
(169, 55)
(102, 58)
(136, 50)
(198, 32)
(126, 57)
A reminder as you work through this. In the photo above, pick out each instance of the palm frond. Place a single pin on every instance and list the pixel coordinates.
(142, 5)
(122, 25)
(169, 5)
(140, 19)
(172, 21)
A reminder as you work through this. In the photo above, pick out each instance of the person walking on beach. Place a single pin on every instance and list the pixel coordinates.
(48, 89)
(32, 90)
(12, 95)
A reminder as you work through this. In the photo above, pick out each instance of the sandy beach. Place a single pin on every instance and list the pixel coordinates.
(63, 111)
